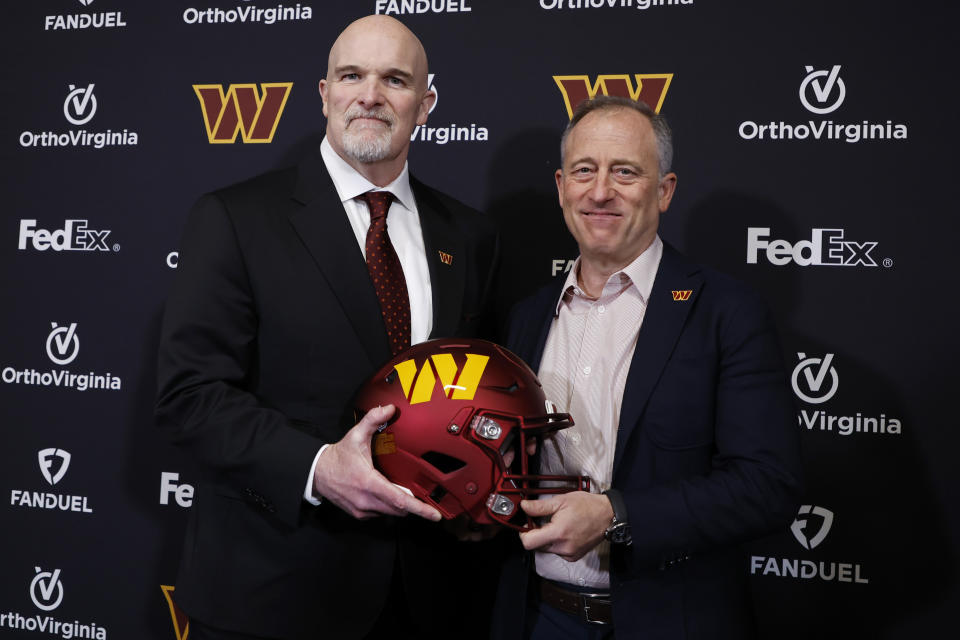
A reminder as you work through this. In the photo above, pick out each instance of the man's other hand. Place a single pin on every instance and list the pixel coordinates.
(345, 476)
(578, 521)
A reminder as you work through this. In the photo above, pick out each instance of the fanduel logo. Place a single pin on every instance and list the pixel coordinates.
(102, 20)
(182, 493)
(642, 5)
(46, 592)
(560, 265)
(815, 381)
(79, 107)
(242, 109)
(74, 236)
(457, 384)
(809, 539)
(47, 458)
(826, 247)
(650, 88)
(247, 13)
(451, 132)
(53, 465)
(799, 526)
(398, 7)
(822, 92)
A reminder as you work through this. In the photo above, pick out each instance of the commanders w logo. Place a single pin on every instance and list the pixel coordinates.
(457, 385)
(650, 88)
(242, 109)
(181, 624)
(682, 295)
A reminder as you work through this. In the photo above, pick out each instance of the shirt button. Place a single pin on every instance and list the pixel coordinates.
(601, 309)
(575, 438)
(586, 371)
(581, 582)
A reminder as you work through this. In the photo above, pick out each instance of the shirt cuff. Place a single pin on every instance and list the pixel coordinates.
(308, 491)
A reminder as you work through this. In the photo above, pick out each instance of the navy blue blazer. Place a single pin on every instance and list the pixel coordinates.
(707, 455)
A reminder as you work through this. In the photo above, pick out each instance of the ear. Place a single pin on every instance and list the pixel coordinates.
(323, 95)
(665, 189)
(558, 176)
(426, 103)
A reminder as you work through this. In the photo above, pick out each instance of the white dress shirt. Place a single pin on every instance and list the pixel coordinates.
(583, 371)
(403, 227)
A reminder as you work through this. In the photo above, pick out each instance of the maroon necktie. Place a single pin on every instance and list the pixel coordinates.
(387, 273)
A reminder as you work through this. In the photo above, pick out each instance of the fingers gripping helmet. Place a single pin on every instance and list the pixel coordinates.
(466, 410)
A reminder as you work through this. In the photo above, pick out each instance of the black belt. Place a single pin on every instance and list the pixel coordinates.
(595, 608)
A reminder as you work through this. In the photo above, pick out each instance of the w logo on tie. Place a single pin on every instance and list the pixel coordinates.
(650, 88)
(242, 109)
(458, 384)
(679, 296)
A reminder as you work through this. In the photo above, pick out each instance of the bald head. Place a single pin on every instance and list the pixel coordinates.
(384, 37)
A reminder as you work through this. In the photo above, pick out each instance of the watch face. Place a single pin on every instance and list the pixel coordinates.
(619, 533)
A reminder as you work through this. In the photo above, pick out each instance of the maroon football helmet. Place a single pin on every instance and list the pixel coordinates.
(461, 406)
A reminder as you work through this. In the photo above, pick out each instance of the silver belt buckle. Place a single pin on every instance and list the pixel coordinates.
(585, 601)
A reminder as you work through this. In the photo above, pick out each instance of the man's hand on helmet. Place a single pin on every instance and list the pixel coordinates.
(578, 521)
(345, 476)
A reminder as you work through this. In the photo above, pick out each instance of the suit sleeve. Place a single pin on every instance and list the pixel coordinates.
(747, 481)
(207, 359)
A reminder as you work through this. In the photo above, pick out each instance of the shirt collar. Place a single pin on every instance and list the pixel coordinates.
(350, 184)
(640, 273)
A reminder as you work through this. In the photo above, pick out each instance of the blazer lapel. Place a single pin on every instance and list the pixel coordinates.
(662, 323)
(446, 260)
(325, 231)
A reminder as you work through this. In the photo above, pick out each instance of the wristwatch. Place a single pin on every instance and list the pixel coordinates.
(619, 530)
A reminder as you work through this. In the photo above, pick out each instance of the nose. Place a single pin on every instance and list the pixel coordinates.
(601, 190)
(370, 94)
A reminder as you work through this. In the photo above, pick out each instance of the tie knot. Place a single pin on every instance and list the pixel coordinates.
(378, 202)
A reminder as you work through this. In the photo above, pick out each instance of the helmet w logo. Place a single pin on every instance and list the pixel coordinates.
(458, 384)
(242, 109)
(650, 88)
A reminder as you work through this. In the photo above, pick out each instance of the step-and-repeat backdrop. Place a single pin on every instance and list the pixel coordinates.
(816, 149)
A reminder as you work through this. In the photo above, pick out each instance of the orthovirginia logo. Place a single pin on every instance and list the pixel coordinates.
(101, 20)
(397, 7)
(458, 384)
(181, 623)
(646, 87)
(248, 13)
(642, 5)
(448, 133)
(242, 109)
(79, 108)
(809, 539)
(815, 381)
(46, 593)
(822, 91)
(62, 346)
(53, 466)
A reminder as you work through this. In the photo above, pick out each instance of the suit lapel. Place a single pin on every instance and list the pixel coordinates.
(662, 323)
(446, 260)
(324, 229)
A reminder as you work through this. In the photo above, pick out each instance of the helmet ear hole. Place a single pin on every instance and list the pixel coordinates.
(438, 493)
(443, 462)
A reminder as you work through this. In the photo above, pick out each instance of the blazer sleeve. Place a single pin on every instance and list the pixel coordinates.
(743, 478)
(206, 365)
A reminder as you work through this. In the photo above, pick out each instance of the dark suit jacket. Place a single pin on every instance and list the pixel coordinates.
(706, 455)
(271, 326)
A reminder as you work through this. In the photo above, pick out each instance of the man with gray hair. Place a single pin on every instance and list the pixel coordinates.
(684, 420)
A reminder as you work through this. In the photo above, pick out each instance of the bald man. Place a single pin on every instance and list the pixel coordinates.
(273, 322)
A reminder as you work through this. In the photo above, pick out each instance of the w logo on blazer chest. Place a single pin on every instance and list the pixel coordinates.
(680, 296)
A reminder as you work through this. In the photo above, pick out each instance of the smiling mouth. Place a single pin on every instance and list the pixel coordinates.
(601, 214)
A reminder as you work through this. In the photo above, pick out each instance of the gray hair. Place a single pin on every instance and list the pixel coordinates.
(661, 130)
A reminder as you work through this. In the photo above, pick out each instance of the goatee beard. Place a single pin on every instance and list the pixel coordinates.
(366, 146)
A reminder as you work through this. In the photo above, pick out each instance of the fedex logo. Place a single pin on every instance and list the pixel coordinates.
(75, 236)
(826, 247)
